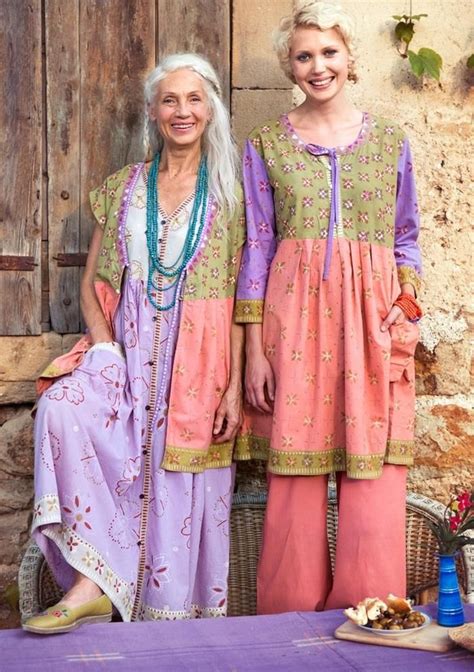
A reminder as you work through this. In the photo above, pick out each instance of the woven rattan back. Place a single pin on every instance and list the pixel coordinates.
(245, 538)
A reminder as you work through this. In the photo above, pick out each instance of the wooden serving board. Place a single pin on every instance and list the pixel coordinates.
(431, 638)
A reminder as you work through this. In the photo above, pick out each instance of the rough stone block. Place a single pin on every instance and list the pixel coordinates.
(9, 618)
(444, 371)
(24, 357)
(15, 494)
(251, 108)
(10, 412)
(439, 485)
(444, 459)
(255, 64)
(14, 535)
(69, 340)
(17, 393)
(443, 426)
(16, 446)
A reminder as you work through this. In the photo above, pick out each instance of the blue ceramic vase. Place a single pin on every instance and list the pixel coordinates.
(450, 609)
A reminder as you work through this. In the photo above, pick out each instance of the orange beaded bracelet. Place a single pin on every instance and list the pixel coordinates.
(410, 307)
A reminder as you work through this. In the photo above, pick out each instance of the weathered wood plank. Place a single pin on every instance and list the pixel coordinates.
(65, 260)
(20, 180)
(117, 49)
(63, 109)
(202, 26)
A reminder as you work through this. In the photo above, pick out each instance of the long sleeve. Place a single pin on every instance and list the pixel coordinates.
(407, 222)
(260, 245)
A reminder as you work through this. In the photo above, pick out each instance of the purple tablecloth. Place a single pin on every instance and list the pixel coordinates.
(294, 641)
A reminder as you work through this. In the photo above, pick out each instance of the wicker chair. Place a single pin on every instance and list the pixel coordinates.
(38, 590)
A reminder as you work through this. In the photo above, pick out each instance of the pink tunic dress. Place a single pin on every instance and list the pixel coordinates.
(331, 234)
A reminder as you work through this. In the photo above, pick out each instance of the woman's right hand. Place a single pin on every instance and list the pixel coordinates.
(259, 378)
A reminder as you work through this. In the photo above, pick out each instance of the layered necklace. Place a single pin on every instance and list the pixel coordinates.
(157, 268)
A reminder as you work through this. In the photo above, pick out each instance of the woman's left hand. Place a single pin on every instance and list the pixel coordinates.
(395, 313)
(228, 416)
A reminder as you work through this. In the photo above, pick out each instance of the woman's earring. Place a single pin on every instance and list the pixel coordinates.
(351, 72)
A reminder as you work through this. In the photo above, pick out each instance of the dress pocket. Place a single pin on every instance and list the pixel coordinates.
(404, 336)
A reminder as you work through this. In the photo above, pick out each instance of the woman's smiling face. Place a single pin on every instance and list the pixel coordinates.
(180, 108)
(319, 63)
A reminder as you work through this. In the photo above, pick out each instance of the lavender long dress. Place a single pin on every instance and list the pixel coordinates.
(155, 541)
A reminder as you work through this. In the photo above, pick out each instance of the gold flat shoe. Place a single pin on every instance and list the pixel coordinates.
(60, 618)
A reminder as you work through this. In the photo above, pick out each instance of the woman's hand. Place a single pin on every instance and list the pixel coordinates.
(394, 315)
(396, 312)
(259, 382)
(228, 416)
(259, 378)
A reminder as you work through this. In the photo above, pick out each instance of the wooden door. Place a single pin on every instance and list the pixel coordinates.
(72, 81)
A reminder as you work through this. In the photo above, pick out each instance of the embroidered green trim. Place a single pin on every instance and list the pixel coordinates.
(195, 461)
(304, 463)
(249, 447)
(408, 274)
(106, 202)
(52, 371)
(248, 310)
(400, 451)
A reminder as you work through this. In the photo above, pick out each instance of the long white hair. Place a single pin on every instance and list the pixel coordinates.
(218, 142)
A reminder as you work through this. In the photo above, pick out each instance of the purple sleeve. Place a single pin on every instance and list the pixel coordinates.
(407, 220)
(260, 245)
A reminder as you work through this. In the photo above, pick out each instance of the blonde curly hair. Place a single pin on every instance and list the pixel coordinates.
(322, 15)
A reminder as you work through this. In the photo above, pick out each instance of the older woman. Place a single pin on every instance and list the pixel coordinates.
(134, 437)
(331, 267)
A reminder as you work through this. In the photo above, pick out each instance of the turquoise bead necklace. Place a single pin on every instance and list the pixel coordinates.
(156, 267)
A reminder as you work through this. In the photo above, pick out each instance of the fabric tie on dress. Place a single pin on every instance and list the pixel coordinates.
(316, 150)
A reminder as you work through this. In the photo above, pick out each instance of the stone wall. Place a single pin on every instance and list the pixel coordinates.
(438, 120)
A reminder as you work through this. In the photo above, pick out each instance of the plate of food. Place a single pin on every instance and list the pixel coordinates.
(392, 617)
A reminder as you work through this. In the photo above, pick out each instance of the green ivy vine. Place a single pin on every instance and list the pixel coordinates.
(426, 61)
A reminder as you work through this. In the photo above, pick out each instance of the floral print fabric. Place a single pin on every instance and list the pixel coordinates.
(155, 541)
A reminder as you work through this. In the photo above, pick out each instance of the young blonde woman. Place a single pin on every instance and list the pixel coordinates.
(327, 285)
(134, 430)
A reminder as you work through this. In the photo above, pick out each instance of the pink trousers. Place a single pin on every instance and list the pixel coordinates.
(294, 572)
